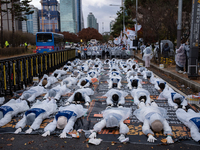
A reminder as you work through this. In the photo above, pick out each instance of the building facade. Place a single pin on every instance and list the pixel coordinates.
(31, 25)
(111, 25)
(71, 16)
(92, 21)
(49, 16)
(7, 19)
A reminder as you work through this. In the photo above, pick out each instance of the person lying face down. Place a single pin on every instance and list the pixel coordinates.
(140, 92)
(12, 108)
(134, 82)
(113, 117)
(115, 97)
(68, 67)
(47, 81)
(81, 95)
(34, 116)
(84, 82)
(69, 81)
(58, 73)
(32, 93)
(154, 120)
(83, 67)
(93, 74)
(65, 119)
(115, 81)
(57, 92)
(191, 119)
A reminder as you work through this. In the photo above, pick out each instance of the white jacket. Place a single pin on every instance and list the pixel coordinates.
(50, 80)
(121, 95)
(191, 119)
(12, 108)
(34, 92)
(60, 90)
(86, 92)
(136, 93)
(42, 110)
(72, 112)
(120, 114)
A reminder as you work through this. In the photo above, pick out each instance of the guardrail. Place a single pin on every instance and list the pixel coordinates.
(17, 72)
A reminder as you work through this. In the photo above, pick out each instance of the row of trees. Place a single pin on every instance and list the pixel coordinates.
(85, 34)
(18, 10)
(157, 17)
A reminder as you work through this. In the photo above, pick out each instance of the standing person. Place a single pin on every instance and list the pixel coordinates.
(6, 44)
(25, 45)
(180, 58)
(147, 55)
(166, 50)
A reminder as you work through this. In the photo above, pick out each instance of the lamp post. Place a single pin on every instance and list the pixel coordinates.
(179, 26)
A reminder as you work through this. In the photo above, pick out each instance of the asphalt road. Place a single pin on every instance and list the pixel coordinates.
(37, 142)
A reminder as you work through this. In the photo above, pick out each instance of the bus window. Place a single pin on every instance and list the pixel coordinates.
(45, 37)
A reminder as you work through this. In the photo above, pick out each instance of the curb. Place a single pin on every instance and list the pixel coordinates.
(189, 83)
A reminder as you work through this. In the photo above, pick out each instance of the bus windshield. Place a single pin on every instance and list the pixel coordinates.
(44, 37)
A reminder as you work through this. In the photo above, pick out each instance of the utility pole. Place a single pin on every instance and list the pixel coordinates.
(136, 18)
(179, 25)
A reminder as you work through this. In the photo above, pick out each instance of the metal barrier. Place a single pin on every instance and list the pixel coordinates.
(17, 72)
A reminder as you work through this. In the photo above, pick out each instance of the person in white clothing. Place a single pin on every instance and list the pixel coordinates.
(93, 74)
(69, 81)
(140, 94)
(32, 93)
(154, 120)
(113, 117)
(68, 67)
(57, 92)
(65, 119)
(34, 116)
(134, 82)
(84, 82)
(12, 108)
(191, 119)
(47, 81)
(115, 81)
(81, 95)
(58, 73)
(115, 97)
(147, 56)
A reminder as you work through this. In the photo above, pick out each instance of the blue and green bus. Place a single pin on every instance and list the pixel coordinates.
(49, 42)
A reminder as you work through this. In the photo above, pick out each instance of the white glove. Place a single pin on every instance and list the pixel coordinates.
(175, 107)
(18, 130)
(87, 104)
(151, 138)
(29, 131)
(95, 141)
(93, 135)
(63, 135)
(169, 139)
(121, 137)
(67, 103)
(183, 107)
(46, 133)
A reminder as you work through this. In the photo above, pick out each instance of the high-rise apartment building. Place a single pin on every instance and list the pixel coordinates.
(49, 16)
(92, 21)
(71, 15)
(31, 25)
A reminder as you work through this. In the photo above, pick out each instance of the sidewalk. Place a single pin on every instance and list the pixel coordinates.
(171, 71)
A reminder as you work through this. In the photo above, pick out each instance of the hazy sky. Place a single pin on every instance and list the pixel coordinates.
(100, 8)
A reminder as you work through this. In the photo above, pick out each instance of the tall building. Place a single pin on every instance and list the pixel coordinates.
(49, 16)
(92, 21)
(7, 19)
(71, 16)
(31, 25)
